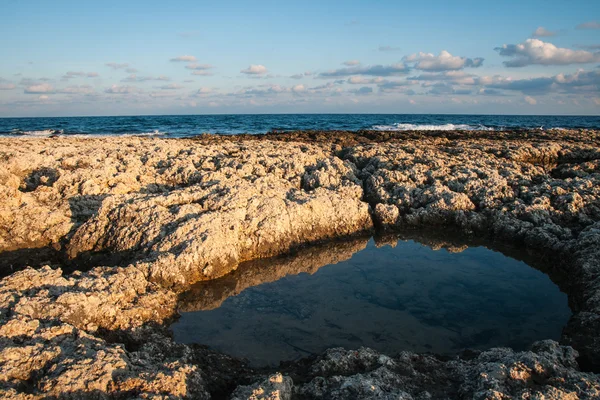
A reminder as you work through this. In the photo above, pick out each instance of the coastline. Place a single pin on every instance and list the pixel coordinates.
(180, 211)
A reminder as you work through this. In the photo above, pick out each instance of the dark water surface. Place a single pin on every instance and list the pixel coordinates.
(191, 125)
(407, 297)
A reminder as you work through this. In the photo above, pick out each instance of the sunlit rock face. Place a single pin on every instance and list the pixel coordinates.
(181, 211)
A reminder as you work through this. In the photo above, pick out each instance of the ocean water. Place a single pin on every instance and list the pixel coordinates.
(408, 297)
(191, 125)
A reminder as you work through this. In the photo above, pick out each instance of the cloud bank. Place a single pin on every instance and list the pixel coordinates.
(543, 32)
(372, 70)
(183, 59)
(589, 25)
(442, 62)
(255, 70)
(535, 51)
(41, 88)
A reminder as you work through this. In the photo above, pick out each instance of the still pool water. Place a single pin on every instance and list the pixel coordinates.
(391, 298)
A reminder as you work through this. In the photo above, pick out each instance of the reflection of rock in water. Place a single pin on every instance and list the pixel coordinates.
(209, 295)
(456, 244)
(408, 297)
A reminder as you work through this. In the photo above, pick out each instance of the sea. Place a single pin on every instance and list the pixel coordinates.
(179, 126)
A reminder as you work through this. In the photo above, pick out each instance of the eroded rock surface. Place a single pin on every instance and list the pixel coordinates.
(183, 211)
(546, 372)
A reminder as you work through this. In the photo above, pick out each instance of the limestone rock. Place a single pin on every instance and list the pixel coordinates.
(182, 211)
(275, 387)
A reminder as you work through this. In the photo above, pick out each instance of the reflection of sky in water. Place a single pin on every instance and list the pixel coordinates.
(391, 299)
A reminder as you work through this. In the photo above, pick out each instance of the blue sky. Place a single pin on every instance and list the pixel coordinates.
(196, 57)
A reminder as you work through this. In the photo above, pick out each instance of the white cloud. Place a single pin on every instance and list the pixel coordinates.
(265, 90)
(330, 88)
(80, 74)
(135, 78)
(443, 88)
(581, 79)
(589, 25)
(543, 32)
(199, 67)
(359, 80)
(115, 89)
(81, 89)
(458, 77)
(300, 76)
(170, 86)
(7, 86)
(535, 51)
(41, 88)
(162, 94)
(579, 82)
(202, 73)
(114, 65)
(351, 63)
(204, 91)
(530, 100)
(184, 59)
(255, 70)
(298, 88)
(372, 70)
(396, 86)
(442, 62)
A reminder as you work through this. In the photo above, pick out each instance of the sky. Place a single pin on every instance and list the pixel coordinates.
(72, 58)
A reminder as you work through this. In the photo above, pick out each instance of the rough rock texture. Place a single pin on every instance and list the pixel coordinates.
(541, 194)
(546, 372)
(276, 387)
(174, 212)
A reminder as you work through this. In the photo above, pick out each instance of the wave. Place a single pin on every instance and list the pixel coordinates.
(153, 133)
(43, 132)
(444, 127)
(50, 132)
(120, 134)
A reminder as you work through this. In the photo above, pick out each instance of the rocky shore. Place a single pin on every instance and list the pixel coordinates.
(100, 238)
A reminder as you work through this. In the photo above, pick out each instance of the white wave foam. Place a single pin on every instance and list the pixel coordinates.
(445, 127)
(153, 133)
(45, 132)
(108, 135)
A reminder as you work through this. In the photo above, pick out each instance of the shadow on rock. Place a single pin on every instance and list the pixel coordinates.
(16, 260)
(83, 207)
(40, 177)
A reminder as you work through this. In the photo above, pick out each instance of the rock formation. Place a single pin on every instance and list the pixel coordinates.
(130, 223)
